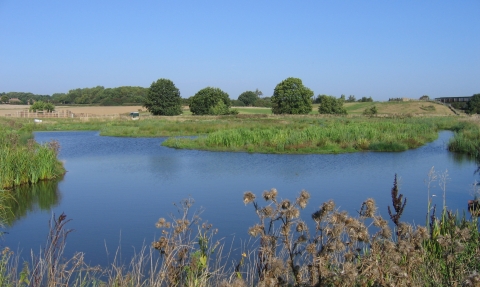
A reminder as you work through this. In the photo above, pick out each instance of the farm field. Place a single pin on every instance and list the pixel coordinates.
(357, 108)
(97, 110)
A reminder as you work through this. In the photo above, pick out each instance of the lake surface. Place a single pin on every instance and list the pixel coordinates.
(117, 188)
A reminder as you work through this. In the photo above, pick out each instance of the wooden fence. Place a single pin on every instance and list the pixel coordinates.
(57, 114)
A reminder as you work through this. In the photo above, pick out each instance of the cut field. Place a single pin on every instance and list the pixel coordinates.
(413, 107)
(96, 110)
(357, 108)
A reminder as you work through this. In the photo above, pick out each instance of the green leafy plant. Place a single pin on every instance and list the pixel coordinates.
(291, 97)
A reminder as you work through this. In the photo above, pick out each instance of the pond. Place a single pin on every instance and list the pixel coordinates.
(115, 189)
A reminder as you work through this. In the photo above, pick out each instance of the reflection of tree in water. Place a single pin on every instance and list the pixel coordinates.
(43, 195)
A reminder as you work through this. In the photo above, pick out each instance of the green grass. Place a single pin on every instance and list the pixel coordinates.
(22, 160)
(466, 139)
(283, 134)
(253, 110)
(321, 135)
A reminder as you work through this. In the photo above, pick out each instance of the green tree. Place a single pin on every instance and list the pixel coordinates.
(4, 99)
(42, 106)
(351, 99)
(163, 99)
(424, 98)
(331, 105)
(291, 97)
(248, 98)
(365, 99)
(258, 93)
(210, 101)
(473, 106)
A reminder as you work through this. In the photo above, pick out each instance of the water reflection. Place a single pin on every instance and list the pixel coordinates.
(30, 198)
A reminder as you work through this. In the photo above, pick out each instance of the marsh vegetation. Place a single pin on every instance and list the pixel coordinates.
(22, 160)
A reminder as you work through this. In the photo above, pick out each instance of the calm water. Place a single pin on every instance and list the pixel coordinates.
(116, 188)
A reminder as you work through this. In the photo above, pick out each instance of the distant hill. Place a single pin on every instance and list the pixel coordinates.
(411, 107)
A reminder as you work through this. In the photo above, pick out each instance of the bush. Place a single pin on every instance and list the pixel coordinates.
(264, 103)
(365, 99)
(248, 98)
(210, 101)
(292, 97)
(473, 106)
(42, 106)
(237, 103)
(331, 105)
(163, 99)
(370, 111)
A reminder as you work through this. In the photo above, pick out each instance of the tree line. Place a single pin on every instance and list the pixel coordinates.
(289, 97)
(93, 96)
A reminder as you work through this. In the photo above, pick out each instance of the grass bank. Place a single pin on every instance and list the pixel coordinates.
(323, 135)
(22, 160)
(467, 138)
(285, 134)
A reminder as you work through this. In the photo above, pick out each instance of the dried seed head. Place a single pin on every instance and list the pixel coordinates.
(302, 238)
(285, 204)
(292, 213)
(248, 197)
(256, 230)
(404, 229)
(302, 200)
(368, 208)
(270, 195)
(267, 211)
(328, 206)
(285, 230)
(311, 248)
(301, 227)
(386, 232)
(182, 253)
(162, 223)
(160, 244)
(277, 267)
(379, 222)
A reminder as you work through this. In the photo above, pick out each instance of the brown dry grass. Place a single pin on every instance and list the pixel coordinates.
(412, 107)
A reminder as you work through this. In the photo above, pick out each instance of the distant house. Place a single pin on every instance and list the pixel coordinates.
(14, 101)
(453, 99)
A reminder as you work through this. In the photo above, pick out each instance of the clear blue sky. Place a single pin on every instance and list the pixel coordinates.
(366, 48)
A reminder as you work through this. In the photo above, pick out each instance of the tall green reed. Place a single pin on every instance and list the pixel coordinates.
(23, 161)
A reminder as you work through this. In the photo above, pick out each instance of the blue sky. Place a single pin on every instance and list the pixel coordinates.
(366, 48)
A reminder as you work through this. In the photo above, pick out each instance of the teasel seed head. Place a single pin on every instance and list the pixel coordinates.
(248, 197)
(256, 230)
(301, 227)
(267, 211)
(285, 204)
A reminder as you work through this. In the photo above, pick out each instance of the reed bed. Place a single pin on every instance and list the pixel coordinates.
(333, 248)
(284, 134)
(321, 136)
(466, 139)
(22, 160)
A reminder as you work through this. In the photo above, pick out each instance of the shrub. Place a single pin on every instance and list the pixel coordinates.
(210, 101)
(370, 111)
(163, 99)
(331, 105)
(42, 106)
(291, 97)
(248, 98)
(473, 106)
